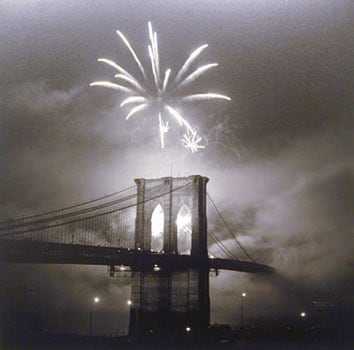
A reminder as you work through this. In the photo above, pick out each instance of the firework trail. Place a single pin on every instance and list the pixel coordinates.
(158, 90)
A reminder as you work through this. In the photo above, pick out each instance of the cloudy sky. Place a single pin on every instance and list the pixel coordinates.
(278, 155)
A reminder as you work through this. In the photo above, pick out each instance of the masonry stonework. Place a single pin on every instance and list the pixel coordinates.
(171, 299)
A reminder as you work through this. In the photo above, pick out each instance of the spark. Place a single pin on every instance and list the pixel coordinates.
(189, 61)
(126, 42)
(163, 130)
(136, 109)
(115, 65)
(191, 141)
(206, 96)
(192, 77)
(133, 99)
(165, 80)
(131, 81)
(162, 90)
(179, 118)
(112, 86)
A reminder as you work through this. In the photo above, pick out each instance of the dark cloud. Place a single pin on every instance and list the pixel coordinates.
(279, 156)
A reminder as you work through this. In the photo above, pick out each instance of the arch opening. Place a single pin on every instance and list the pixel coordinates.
(184, 230)
(157, 229)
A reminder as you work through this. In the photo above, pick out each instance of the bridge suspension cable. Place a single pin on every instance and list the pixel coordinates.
(221, 246)
(80, 219)
(70, 214)
(94, 219)
(229, 229)
(24, 218)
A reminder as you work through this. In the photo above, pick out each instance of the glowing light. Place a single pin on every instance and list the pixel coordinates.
(197, 73)
(166, 90)
(129, 302)
(136, 109)
(189, 61)
(156, 267)
(163, 130)
(157, 229)
(96, 300)
(303, 314)
(184, 230)
(206, 96)
(110, 85)
(188, 329)
(191, 141)
(126, 42)
(243, 295)
(133, 99)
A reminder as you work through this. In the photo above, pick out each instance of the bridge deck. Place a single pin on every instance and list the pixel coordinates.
(15, 251)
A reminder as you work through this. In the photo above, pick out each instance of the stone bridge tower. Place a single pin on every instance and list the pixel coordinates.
(171, 219)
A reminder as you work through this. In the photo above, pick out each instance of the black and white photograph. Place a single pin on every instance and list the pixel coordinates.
(176, 174)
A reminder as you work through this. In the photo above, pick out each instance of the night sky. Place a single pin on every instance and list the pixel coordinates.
(279, 155)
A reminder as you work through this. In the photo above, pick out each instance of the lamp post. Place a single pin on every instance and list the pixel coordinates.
(243, 295)
(95, 300)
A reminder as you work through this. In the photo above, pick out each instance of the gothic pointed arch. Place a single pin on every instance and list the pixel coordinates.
(157, 229)
(184, 230)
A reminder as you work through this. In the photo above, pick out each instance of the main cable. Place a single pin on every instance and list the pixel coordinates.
(229, 229)
(222, 247)
(93, 216)
(66, 208)
(67, 215)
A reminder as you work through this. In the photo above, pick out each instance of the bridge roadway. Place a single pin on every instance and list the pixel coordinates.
(16, 251)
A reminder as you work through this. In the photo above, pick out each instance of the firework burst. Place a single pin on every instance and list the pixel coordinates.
(158, 89)
(191, 141)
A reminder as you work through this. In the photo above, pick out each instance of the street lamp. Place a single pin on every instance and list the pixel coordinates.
(129, 302)
(243, 295)
(95, 300)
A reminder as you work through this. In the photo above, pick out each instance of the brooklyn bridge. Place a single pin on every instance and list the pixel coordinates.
(156, 231)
